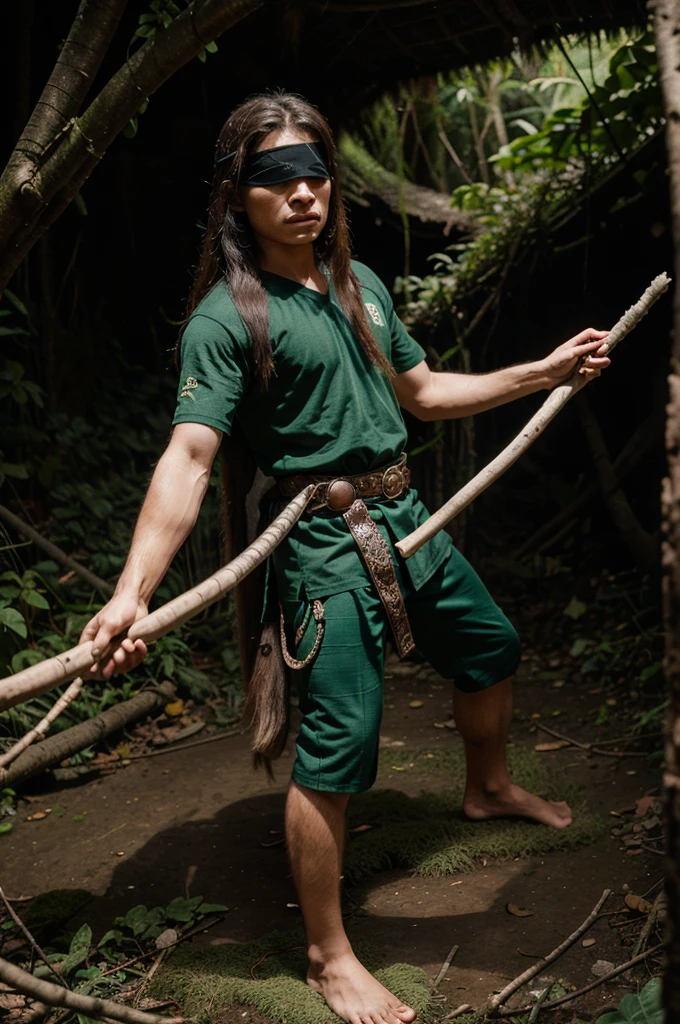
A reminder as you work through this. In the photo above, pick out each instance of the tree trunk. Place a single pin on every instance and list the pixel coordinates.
(71, 741)
(59, 148)
(667, 30)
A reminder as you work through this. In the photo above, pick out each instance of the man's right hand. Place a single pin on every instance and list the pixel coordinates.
(114, 618)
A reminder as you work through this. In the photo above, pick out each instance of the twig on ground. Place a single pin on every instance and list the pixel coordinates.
(506, 1012)
(463, 1008)
(42, 727)
(152, 970)
(658, 907)
(88, 1006)
(589, 747)
(34, 945)
(171, 749)
(444, 967)
(531, 972)
(652, 849)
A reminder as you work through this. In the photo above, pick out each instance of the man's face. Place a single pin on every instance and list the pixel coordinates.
(292, 212)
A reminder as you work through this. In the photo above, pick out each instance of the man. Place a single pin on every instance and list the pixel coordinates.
(303, 348)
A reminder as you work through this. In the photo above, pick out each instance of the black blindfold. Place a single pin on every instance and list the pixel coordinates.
(283, 163)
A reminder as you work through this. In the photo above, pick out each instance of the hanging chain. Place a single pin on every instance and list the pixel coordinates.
(317, 611)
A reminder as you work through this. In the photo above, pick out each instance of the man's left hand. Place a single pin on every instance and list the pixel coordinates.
(561, 363)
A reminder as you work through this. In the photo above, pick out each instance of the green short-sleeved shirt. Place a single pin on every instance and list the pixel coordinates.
(327, 409)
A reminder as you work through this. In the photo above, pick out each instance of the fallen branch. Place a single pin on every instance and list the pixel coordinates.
(658, 908)
(463, 1008)
(444, 968)
(70, 741)
(42, 727)
(78, 660)
(32, 941)
(54, 995)
(506, 1012)
(556, 400)
(496, 1001)
(54, 552)
(589, 747)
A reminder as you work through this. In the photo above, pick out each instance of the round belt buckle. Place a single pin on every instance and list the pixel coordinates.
(393, 482)
(340, 495)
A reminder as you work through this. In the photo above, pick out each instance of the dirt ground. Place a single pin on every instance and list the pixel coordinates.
(195, 819)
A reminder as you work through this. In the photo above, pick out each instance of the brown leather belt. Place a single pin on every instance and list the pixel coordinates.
(346, 494)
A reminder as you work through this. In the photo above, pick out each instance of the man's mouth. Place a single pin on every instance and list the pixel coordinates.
(303, 218)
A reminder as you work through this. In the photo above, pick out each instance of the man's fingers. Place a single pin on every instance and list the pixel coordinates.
(588, 335)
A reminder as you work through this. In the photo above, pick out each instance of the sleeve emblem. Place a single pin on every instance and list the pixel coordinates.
(374, 314)
(189, 385)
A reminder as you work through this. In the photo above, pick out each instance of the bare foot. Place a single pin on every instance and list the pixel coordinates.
(514, 802)
(354, 994)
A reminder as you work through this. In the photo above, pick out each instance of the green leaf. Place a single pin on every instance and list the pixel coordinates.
(146, 31)
(15, 470)
(113, 935)
(35, 599)
(182, 910)
(579, 645)
(24, 659)
(645, 1008)
(16, 302)
(78, 950)
(212, 908)
(10, 618)
(575, 609)
(211, 47)
(5, 827)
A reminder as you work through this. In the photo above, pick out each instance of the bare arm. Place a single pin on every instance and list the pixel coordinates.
(438, 396)
(170, 509)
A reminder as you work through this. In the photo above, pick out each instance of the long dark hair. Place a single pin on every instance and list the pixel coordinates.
(228, 250)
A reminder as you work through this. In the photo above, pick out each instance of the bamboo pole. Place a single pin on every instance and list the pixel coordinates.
(556, 400)
(78, 660)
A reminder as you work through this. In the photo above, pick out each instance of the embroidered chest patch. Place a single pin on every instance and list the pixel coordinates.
(374, 314)
(189, 385)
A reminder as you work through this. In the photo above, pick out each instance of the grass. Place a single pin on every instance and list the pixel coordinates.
(269, 975)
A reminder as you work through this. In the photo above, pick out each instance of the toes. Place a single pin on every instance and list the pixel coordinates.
(405, 1013)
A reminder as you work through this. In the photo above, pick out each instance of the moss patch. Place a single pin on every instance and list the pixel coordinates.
(430, 834)
(269, 975)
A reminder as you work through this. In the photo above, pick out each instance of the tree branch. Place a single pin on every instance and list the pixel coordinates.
(26, 198)
(53, 995)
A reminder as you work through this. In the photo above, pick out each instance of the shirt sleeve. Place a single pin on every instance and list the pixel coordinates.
(214, 377)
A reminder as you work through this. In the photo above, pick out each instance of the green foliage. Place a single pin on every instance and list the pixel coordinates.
(643, 1008)
(103, 968)
(160, 15)
(7, 809)
(540, 175)
(613, 119)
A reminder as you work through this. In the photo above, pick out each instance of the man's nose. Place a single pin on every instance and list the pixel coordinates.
(302, 193)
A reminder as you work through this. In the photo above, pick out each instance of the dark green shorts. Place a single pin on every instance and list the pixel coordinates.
(456, 625)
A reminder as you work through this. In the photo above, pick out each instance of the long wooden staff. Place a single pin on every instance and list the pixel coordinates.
(75, 662)
(557, 399)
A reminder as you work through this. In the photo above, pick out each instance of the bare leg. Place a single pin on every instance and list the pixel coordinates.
(315, 829)
(483, 720)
